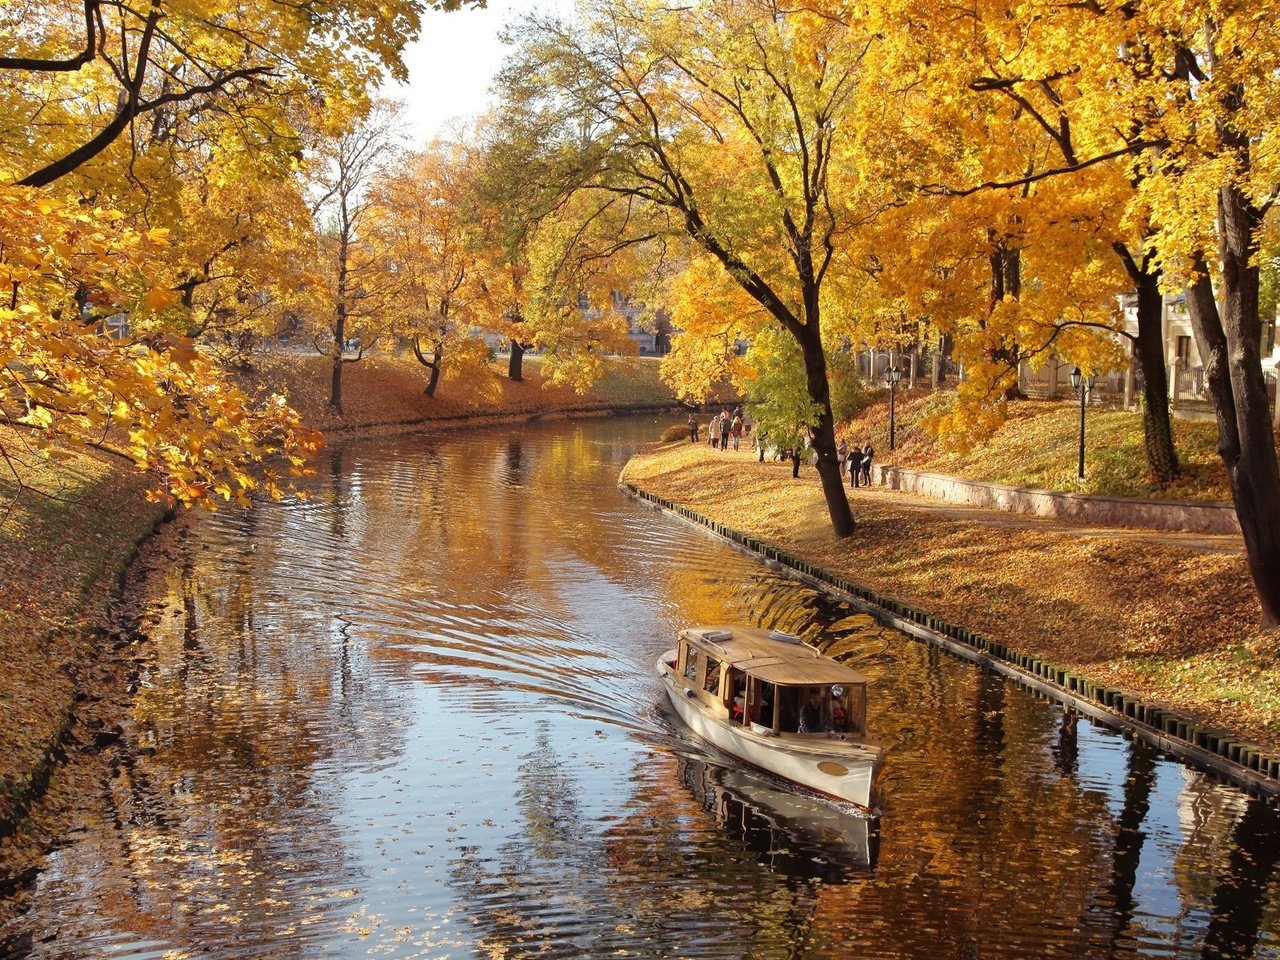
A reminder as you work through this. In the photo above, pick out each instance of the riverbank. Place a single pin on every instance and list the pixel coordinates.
(71, 526)
(1166, 619)
(386, 393)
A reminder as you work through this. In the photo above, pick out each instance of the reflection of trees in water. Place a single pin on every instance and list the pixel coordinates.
(1126, 850)
(533, 901)
(662, 876)
(214, 839)
(1244, 900)
(991, 846)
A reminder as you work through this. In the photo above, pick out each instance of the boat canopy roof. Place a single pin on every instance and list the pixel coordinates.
(773, 657)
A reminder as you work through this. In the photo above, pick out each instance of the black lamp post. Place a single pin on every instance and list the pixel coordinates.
(891, 378)
(1084, 385)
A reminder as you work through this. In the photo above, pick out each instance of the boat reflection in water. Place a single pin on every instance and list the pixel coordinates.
(789, 832)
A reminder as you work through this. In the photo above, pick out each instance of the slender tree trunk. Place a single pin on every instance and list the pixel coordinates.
(515, 366)
(1157, 427)
(339, 326)
(339, 335)
(941, 357)
(434, 380)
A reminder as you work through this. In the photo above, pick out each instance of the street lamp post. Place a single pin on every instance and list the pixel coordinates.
(891, 378)
(1084, 385)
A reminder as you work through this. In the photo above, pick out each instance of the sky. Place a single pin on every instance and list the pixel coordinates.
(452, 64)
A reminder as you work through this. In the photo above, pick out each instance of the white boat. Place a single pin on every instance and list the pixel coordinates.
(777, 703)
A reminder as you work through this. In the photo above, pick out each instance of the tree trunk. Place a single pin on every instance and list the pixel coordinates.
(1006, 281)
(1229, 346)
(941, 357)
(433, 365)
(434, 380)
(339, 333)
(515, 365)
(824, 433)
(339, 330)
(1157, 428)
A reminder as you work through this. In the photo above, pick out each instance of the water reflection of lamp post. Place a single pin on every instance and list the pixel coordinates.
(1084, 385)
(891, 378)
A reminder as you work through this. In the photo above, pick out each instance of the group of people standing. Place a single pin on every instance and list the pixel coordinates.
(857, 461)
(728, 428)
(724, 428)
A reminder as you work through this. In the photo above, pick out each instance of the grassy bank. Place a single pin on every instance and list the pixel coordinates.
(1039, 446)
(1172, 624)
(387, 391)
(70, 526)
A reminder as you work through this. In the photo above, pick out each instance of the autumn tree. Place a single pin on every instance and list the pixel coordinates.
(127, 137)
(420, 221)
(88, 355)
(552, 271)
(360, 282)
(1213, 185)
(719, 124)
(89, 72)
(1088, 105)
(503, 215)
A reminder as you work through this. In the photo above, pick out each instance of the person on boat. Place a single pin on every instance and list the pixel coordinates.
(838, 717)
(815, 716)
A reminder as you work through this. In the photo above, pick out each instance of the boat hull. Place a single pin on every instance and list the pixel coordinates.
(838, 769)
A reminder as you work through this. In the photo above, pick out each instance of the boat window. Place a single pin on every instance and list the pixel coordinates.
(712, 682)
(789, 708)
(738, 700)
(839, 709)
(857, 708)
(691, 664)
(764, 713)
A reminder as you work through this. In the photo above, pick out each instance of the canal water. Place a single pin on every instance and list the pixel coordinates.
(416, 716)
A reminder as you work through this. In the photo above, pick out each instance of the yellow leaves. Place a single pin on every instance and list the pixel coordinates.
(158, 298)
(175, 412)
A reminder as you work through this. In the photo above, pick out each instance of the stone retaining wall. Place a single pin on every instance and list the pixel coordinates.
(1183, 515)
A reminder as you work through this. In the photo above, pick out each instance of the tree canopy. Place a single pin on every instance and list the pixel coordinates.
(152, 215)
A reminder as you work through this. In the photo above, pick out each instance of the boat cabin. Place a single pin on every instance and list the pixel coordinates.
(772, 682)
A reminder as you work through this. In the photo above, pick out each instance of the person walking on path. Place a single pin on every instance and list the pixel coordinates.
(794, 454)
(842, 455)
(867, 453)
(724, 430)
(855, 465)
(735, 430)
(713, 432)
